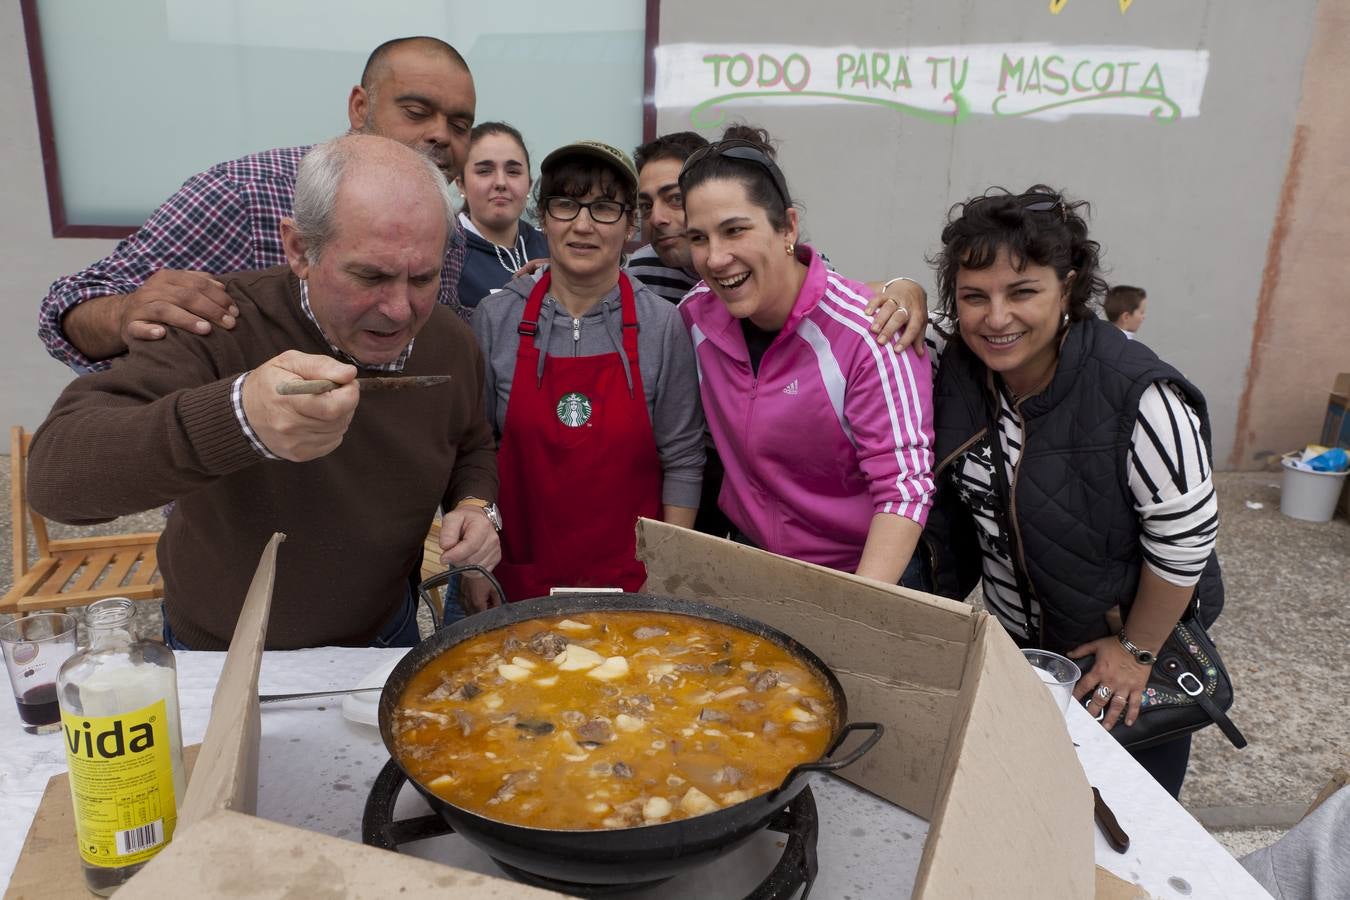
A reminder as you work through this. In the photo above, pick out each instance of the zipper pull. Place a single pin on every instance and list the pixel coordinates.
(576, 331)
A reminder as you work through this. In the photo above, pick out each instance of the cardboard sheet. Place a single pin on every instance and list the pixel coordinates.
(899, 655)
(231, 855)
(1015, 812)
(1110, 887)
(228, 776)
(974, 743)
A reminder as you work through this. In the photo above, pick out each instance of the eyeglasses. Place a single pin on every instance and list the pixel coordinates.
(603, 212)
(743, 150)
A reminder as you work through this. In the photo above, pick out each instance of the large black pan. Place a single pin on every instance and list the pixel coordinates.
(624, 855)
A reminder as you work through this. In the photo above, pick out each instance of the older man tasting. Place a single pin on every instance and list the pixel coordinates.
(353, 481)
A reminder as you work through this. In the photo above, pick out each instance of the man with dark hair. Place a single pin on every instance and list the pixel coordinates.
(353, 478)
(377, 63)
(415, 90)
(663, 264)
(1125, 308)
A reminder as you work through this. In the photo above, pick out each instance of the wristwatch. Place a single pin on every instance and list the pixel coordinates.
(489, 509)
(1141, 656)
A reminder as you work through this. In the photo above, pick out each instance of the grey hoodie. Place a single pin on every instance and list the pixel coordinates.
(665, 356)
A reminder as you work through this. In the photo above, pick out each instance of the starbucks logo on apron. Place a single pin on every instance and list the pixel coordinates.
(574, 409)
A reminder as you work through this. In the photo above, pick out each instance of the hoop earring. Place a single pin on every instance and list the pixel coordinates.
(791, 249)
(1065, 320)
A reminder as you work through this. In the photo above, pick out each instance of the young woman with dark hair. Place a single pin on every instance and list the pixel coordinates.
(826, 436)
(1074, 474)
(496, 186)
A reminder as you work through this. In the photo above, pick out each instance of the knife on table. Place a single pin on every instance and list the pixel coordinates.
(1106, 821)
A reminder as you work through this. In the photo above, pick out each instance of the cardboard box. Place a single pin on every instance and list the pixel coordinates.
(1336, 428)
(974, 744)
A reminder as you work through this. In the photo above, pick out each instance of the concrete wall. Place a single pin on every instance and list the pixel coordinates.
(1302, 330)
(1183, 208)
(1188, 208)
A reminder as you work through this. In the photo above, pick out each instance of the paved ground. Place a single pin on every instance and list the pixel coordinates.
(1282, 634)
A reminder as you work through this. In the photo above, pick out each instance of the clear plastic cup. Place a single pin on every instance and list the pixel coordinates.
(1059, 674)
(34, 648)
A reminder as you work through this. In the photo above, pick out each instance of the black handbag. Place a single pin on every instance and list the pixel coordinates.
(1188, 686)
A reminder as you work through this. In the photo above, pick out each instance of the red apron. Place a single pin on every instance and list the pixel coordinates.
(577, 463)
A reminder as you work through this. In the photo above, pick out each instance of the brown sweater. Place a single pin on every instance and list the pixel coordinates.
(159, 427)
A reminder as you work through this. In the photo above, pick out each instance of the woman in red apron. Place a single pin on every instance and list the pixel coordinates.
(592, 390)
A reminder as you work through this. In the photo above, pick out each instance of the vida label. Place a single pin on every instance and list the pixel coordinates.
(121, 780)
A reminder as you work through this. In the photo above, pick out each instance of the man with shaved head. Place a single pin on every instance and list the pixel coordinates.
(415, 90)
(352, 477)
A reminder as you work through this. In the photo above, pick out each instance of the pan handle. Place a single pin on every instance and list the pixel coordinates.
(424, 589)
(826, 764)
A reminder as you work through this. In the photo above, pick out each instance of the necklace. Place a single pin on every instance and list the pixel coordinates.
(510, 263)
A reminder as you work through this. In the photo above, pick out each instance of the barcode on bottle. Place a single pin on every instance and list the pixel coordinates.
(134, 840)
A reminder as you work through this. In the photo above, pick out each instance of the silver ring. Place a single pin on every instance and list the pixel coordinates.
(1101, 714)
(1103, 693)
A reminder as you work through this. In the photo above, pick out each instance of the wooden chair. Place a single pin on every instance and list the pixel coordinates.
(75, 571)
(431, 552)
(432, 565)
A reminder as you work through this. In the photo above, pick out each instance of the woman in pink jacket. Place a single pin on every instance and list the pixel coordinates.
(827, 437)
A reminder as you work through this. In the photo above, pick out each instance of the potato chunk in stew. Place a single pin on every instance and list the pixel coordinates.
(619, 719)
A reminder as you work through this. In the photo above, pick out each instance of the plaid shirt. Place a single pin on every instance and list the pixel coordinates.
(222, 220)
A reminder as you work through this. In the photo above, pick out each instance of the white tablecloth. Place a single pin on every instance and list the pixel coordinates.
(316, 769)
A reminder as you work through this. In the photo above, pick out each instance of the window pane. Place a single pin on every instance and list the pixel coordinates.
(145, 93)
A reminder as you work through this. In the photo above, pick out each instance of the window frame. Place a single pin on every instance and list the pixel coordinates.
(62, 227)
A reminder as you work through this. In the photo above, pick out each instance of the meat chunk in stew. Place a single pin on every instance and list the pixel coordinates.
(548, 644)
(765, 680)
(597, 731)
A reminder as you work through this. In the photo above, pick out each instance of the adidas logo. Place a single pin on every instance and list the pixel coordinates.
(791, 389)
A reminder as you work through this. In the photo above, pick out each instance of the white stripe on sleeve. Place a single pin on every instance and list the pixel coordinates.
(1171, 480)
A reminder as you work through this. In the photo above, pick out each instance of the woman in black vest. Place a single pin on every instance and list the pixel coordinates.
(1100, 532)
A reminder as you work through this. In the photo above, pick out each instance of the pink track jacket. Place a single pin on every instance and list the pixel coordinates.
(834, 429)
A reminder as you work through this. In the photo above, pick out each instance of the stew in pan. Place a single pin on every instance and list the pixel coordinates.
(610, 720)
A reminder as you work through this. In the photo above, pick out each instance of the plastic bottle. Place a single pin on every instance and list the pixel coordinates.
(119, 717)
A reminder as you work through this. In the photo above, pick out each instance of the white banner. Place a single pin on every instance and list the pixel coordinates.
(940, 83)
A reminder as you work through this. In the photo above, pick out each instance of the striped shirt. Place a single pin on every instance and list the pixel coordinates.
(663, 281)
(223, 220)
(1170, 480)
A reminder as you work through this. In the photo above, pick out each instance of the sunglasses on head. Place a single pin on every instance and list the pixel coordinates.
(742, 150)
(1031, 202)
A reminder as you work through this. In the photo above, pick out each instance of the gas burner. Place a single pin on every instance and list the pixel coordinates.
(795, 870)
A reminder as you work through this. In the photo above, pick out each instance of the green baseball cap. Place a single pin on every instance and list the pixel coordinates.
(613, 156)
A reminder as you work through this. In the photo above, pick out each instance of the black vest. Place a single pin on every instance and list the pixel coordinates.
(1079, 532)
